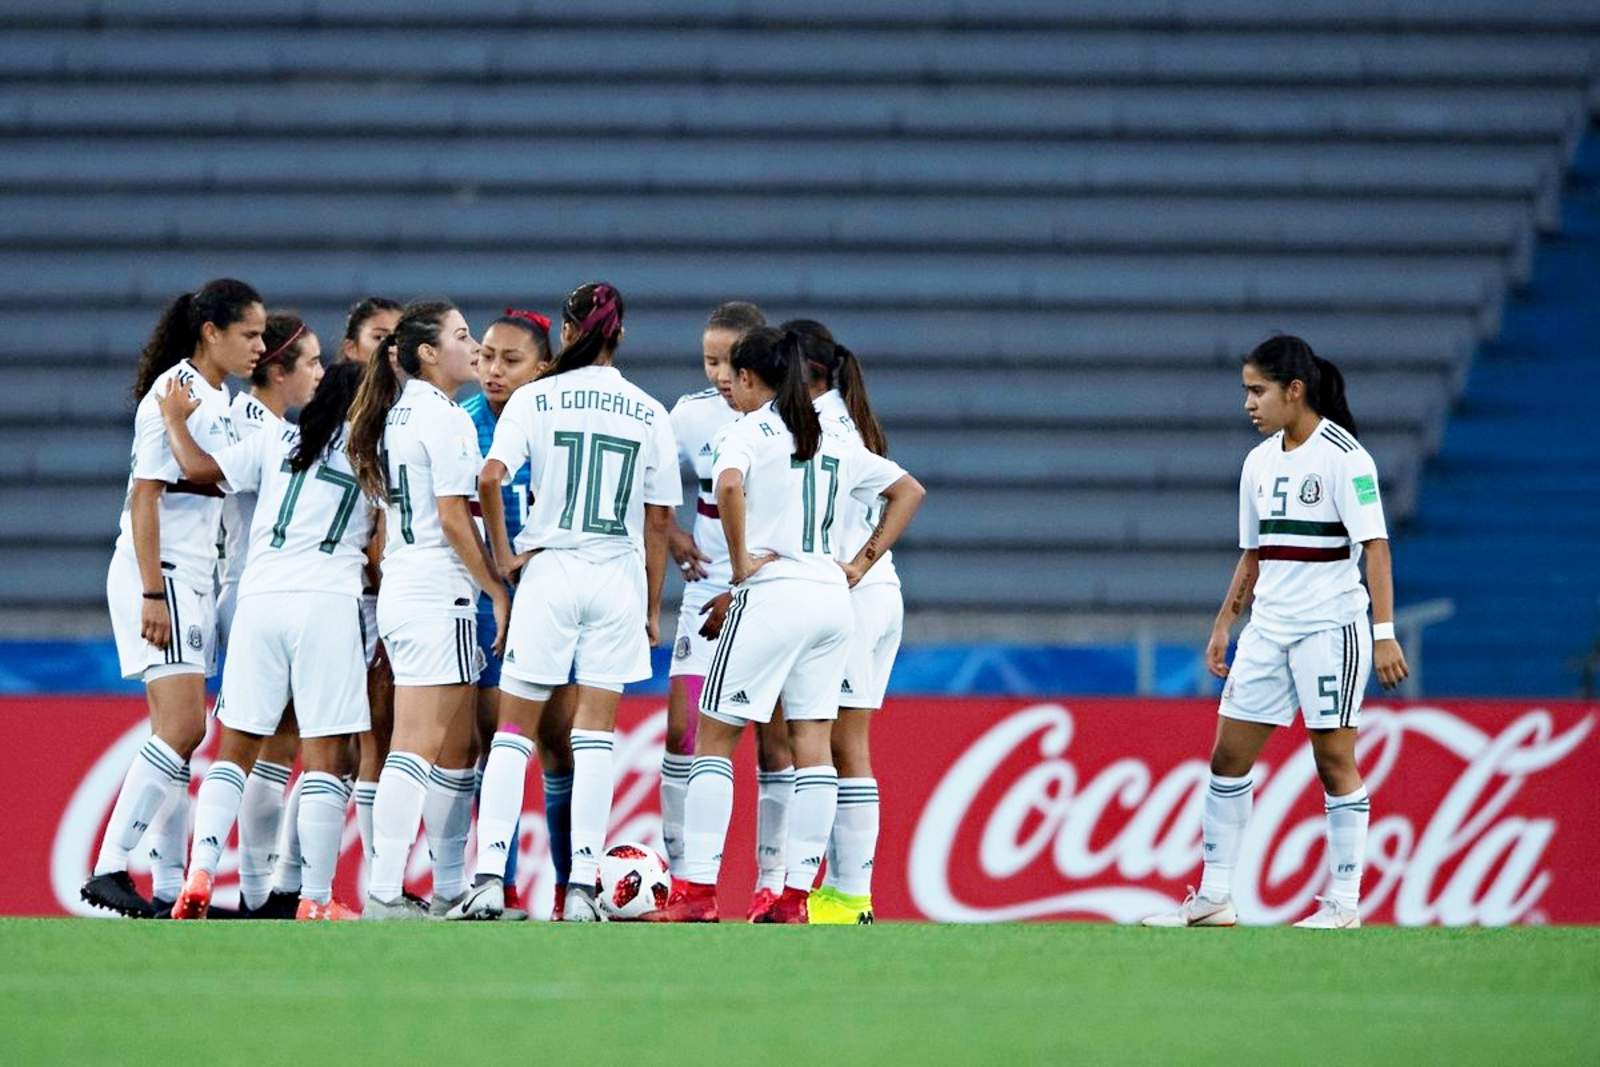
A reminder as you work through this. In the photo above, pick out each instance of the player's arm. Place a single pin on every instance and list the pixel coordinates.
(493, 506)
(1241, 591)
(730, 504)
(1387, 656)
(659, 525)
(455, 517)
(144, 512)
(197, 465)
(904, 497)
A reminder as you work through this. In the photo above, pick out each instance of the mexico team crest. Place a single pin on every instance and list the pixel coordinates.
(196, 639)
(1311, 490)
(682, 649)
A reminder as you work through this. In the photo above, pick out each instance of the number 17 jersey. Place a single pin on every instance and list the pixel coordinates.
(599, 449)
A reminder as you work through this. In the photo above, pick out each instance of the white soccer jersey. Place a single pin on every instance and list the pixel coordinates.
(430, 450)
(190, 514)
(696, 419)
(1307, 513)
(599, 449)
(312, 527)
(855, 521)
(248, 415)
(792, 509)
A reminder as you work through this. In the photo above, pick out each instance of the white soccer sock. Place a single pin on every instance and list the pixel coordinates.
(1347, 844)
(323, 798)
(505, 776)
(365, 793)
(674, 786)
(402, 790)
(1227, 810)
(816, 796)
(591, 802)
(143, 792)
(215, 809)
(446, 820)
(854, 843)
(774, 791)
(707, 807)
(260, 810)
(169, 840)
(286, 873)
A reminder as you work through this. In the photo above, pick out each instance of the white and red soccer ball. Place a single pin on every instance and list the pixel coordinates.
(633, 880)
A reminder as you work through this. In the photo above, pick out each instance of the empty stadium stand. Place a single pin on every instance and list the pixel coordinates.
(1050, 227)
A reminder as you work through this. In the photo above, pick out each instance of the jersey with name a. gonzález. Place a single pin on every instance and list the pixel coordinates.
(600, 449)
(792, 507)
(856, 521)
(311, 527)
(430, 450)
(249, 415)
(1306, 513)
(696, 420)
(190, 514)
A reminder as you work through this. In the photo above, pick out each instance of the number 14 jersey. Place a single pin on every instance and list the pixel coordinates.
(599, 449)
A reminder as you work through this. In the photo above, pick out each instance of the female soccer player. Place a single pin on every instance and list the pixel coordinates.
(515, 350)
(779, 478)
(297, 634)
(415, 451)
(702, 558)
(593, 556)
(1308, 510)
(165, 562)
(840, 394)
(285, 377)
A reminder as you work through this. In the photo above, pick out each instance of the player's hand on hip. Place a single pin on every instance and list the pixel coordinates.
(716, 610)
(502, 617)
(687, 555)
(511, 570)
(155, 625)
(1390, 661)
(177, 403)
(852, 573)
(743, 569)
(1217, 653)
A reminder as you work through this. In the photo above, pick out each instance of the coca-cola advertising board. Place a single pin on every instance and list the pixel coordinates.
(996, 810)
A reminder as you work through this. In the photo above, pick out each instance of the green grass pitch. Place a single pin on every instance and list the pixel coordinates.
(80, 991)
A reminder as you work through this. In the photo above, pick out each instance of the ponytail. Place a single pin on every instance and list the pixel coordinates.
(1284, 358)
(779, 361)
(853, 388)
(221, 302)
(421, 323)
(325, 413)
(595, 309)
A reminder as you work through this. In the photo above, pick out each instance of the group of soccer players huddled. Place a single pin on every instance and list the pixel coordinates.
(414, 594)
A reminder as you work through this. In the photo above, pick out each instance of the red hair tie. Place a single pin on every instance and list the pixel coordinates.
(281, 349)
(530, 316)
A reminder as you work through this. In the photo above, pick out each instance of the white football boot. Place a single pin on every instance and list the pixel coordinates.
(581, 906)
(400, 909)
(1331, 915)
(485, 900)
(1196, 910)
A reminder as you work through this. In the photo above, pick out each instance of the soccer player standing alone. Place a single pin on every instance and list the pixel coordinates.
(1308, 510)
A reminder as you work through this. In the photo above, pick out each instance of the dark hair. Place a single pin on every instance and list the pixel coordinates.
(776, 358)
(596, 309)
(325, 413)
(735, 315)
(363, 310)
(284, 339)
(832, 363)
(537, 326)
(221, 302)
(1284, 358)
(421, 323)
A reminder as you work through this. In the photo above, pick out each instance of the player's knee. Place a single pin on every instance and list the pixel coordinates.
(1338, 772)
(774, 752)
(1228, 764)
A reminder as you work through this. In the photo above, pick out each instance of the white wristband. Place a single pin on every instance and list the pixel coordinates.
(1383, 631)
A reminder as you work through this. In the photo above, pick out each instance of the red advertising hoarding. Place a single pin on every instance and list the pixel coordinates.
(1010, 809)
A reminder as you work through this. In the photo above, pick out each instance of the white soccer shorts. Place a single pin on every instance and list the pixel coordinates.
(300, 646)
(578, 618)
(1323, 675)
(227, 604)
(428, 644)
(193, 613)
(874, 642)
(691, 653)
(788, 638)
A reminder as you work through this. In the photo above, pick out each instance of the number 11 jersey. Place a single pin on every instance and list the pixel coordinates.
(599, 449)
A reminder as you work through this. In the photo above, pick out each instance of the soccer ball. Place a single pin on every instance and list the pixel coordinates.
(633, 880)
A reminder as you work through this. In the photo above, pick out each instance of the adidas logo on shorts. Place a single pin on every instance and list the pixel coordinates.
(498, 846)
(844, 686)
(739, 698)
(212, 842)
(705, 449)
